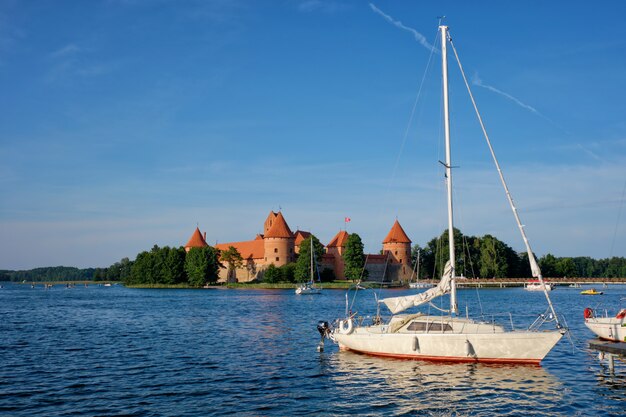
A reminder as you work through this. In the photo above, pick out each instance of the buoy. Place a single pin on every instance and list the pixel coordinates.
(345, 326)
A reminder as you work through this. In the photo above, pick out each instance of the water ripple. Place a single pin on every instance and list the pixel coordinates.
(116, 351)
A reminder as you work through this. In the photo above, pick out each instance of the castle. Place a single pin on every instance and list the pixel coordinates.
(278, 245)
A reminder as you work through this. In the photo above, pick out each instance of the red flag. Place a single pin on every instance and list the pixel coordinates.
(347, 220)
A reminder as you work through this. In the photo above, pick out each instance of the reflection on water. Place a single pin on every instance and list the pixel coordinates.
(418, 386)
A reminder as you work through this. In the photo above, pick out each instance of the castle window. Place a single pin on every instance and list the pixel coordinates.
(275, 250)
(399, 261)
(277, 259)
(396, 252)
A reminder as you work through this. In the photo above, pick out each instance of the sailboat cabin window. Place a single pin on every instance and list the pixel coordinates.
(422, 326)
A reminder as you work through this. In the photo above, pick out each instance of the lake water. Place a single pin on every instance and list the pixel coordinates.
(109, 351)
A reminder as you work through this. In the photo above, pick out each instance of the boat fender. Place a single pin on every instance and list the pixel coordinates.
(416, 344)
(469, 349)
(621, 314)
(345, 326)
(588, 313)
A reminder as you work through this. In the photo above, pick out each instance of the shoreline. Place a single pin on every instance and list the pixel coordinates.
(341, 285)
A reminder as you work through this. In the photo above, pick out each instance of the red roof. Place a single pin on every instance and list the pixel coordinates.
(196, 240)
(279, 228)
(339, 240)
(300, 236)
(397, 235)
(253, 249)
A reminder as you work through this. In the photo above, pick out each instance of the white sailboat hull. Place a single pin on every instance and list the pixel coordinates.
(467, 341)
(309, 290)
(538, 287)
(415, 285)
(608, 328)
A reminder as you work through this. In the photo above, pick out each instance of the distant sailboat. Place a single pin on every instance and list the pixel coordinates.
(536, 285)
(448, 337)
(417, 284)
(310, 287)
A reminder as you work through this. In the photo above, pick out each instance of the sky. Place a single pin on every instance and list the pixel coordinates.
(127, 123)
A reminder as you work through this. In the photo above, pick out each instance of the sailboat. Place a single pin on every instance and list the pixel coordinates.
(309, 287)
(449, 337)
(417, 284)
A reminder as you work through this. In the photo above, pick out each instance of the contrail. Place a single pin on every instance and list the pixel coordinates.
(418, 36)
(477, 81)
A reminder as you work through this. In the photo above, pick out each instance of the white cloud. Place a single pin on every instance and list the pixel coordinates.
(66, 51)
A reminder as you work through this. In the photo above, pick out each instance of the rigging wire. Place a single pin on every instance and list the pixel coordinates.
(531, 256)
(401, 151)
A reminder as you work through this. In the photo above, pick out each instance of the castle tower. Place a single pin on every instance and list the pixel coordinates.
(269, 221)
(397, 246)
(197, 240)
(335, 248)
(278, 241)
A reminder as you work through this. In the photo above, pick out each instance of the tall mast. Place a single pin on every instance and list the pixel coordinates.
(446, 124)
(312, 280)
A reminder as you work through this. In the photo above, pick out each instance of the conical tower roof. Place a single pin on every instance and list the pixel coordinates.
(279, 228)
(196, 240)
(396, 235)
(339, 240)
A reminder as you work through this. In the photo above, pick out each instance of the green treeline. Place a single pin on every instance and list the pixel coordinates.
(488, 257)
(51, 274)
(480, 257)
(170, 266)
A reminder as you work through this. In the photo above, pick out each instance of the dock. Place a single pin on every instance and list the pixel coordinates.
(609, 349)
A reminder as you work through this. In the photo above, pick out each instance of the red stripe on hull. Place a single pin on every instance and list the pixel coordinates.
(534, 362)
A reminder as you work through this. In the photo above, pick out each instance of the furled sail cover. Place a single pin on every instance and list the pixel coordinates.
(398, 304)
(534, 268)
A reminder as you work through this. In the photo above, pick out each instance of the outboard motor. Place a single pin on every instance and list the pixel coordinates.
(324, 328)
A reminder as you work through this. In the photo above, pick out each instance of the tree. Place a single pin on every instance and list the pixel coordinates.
(436, 253)
(565, 267)
(202, 266)
(235, 261)
(174, 266)
(272, 274)
(547, 263)
(493, 258)
(302, 272)
(288, 272)
(141, 270)
(354, 259)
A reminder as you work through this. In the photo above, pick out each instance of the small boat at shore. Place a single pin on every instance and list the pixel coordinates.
(607, 328)
(591, 291)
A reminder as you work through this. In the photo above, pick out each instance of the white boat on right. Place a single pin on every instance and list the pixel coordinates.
(605, 327)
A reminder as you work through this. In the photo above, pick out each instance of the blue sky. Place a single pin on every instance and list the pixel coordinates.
(124, 123)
